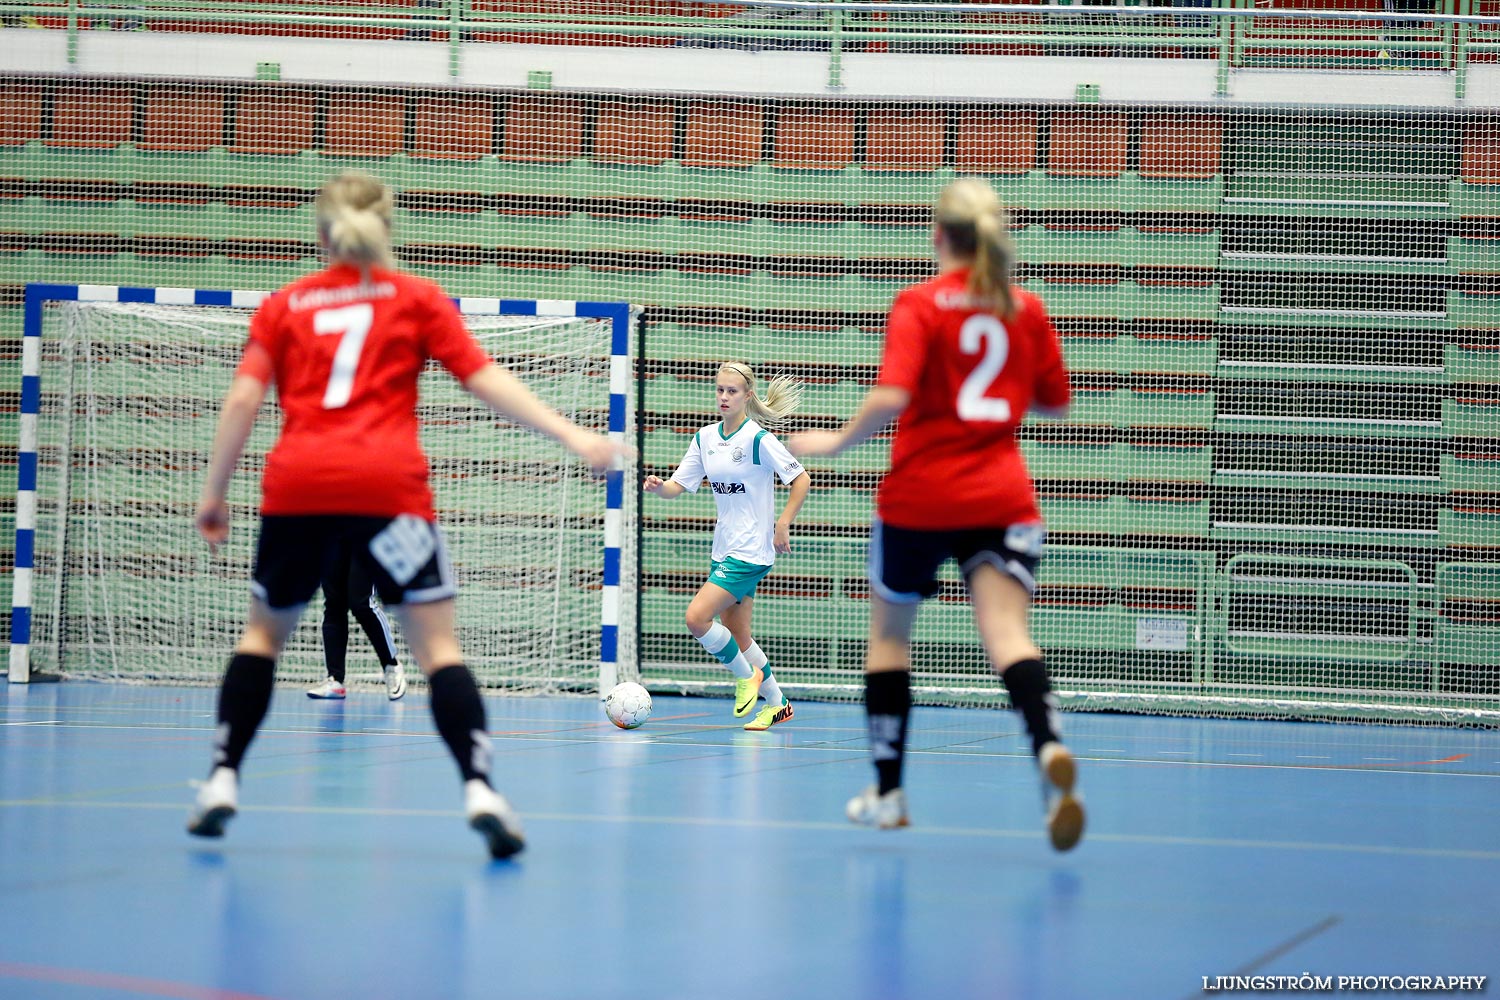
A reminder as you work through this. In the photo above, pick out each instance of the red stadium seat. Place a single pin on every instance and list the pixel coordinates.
(543, 128)
(1181, 145)
(92, 115)
(1088, 144)
(817, 138)
(20, 113)
(1481, 156)
(634, 130)
(273, 120)
(183, 119)
(454, 128)
(363, 124)
(724, 133)
(904, 139)
(995, 142)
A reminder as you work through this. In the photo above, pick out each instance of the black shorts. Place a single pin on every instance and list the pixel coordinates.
(403, 556)
(904, 561)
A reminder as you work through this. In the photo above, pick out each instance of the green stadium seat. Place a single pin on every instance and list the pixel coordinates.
(1047, 192)
(1474, 256)
(480, 175)
(1467, 626)
(1164, 408)
(696, 235)
(1072, 300)
(1168, 353)
(834, 399)
(787, 185)
(412, 225)
(1470, 527)
(1471, 418)
(1180, 463)
(211, 221)
(1169, 300)
(1474, 310)
(304, 171)
(1170, 248)
(1091, 353)
(1172, 516)
(809, 238)
(659, 182)
(839, 506)
(1050, 245)
(1474, 201)
(540, 180)
(35, 161)
(35, 215)
(1159, 194)
(723, 184)
(636, 234)
(1470, 473)
(1081, 513)
(1471, 363)
(897, 187)
(1070, 460)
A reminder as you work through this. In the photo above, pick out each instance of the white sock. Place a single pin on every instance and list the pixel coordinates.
(719, 642)
(769, 689)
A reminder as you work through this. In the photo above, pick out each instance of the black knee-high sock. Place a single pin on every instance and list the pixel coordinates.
(459, 713)
(887, 707)
(244, 697)
(1031, 697)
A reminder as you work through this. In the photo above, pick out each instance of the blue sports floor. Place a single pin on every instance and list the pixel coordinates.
(690, 860)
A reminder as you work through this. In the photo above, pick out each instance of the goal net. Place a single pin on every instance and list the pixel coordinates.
(125, 589)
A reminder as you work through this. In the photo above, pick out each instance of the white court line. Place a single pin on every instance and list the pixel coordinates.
(605, 735)
(38, 722)
(977, 833)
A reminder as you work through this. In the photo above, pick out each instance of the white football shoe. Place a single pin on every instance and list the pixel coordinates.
(395, 681)
(329, 689)
(884, 812)
(217, 802)
(493, 817)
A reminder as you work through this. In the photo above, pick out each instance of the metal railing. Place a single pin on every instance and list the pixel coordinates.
(1233, 33)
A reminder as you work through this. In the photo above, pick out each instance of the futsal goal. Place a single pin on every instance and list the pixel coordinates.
(120, 398)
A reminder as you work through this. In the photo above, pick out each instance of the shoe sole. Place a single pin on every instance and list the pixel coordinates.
(326, 697)
(212, 822)
(1062, 771)
(502, 842)
(1065, 825)
(396, 694)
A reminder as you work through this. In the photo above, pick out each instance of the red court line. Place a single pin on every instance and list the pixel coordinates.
(121, 984)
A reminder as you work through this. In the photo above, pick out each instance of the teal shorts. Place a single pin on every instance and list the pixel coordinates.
(737, 576)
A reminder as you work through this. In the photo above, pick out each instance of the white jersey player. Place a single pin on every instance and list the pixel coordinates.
(741, 460)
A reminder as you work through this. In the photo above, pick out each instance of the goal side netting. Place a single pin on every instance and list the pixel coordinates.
(122, 587)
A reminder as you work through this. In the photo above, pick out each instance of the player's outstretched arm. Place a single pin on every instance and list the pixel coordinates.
(507, 395)
(236, 421)
(881, 405)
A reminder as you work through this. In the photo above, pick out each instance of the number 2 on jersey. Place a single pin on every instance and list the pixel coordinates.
(983, 332)
(353, 324)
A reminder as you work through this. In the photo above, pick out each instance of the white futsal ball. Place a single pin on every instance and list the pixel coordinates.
(628, 705)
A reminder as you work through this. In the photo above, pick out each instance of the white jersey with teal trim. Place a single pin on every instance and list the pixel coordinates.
(741, 468)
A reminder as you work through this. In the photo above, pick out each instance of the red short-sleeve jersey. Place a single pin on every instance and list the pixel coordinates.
(344, 355)
(972, 377)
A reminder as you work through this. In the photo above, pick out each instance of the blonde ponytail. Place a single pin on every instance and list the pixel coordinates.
(783, 394)
(354, 219)
(974, 222)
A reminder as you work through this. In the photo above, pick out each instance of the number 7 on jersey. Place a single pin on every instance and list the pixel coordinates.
(353, 324)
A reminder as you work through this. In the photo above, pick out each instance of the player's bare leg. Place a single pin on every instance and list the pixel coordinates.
(1001, 612)
(713, 601)
(459, 713)
(887, 708)
(244, 697)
